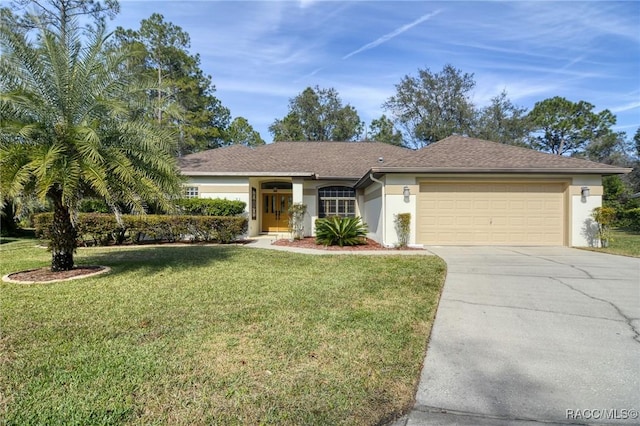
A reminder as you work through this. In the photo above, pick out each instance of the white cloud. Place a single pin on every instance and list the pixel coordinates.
(626, 107)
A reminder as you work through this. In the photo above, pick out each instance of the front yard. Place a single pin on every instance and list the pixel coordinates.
(623, 242)
(214, 335)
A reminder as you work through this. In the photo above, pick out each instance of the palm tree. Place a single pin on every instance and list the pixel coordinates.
(71, 125)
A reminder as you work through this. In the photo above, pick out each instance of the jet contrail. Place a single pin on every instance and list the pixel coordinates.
(392, 34)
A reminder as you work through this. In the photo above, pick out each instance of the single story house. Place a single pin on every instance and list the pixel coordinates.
(459, 190)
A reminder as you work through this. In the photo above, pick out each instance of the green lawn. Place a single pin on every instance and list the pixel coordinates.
(623, 242)
(214, 335)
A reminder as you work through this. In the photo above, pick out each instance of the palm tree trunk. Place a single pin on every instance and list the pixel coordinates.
(63, 236)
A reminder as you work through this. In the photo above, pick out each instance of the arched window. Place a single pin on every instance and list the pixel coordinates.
(336, 201)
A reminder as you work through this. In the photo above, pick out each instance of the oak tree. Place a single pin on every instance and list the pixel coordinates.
(432, 106)
(317, 115)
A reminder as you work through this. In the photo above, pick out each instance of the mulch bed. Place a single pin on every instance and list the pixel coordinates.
(310, 243)
(44, 275)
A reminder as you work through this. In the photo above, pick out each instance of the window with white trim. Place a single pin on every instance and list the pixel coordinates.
(336, 201)
(191, 192)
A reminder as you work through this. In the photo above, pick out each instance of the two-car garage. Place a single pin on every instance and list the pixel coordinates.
(491, 213)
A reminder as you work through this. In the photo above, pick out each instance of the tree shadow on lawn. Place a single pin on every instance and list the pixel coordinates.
(156, 259)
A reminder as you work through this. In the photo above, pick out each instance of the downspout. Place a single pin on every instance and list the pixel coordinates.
(384, 207)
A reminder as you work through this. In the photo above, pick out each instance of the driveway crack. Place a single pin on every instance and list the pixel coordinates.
(584, 271)
(458, 413)
(628, 320)
(537, 310)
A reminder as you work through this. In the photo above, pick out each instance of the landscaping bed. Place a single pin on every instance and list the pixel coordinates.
(310, 243)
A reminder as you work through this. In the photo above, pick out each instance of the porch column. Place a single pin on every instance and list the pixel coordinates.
(298, 190)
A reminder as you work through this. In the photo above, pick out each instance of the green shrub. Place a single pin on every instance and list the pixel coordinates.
(341, 231)
(93, 205)
(296, 220)
(102, 229)
(210, 207)
(631, 219)
(403, 228)
(605, 217)
(8, 224)
(98, 228)
(42, 225)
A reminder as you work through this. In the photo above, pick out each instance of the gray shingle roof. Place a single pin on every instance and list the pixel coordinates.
(354, 160)
(461, 153)
(348, 160)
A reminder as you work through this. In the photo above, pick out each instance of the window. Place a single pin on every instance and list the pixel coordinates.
(337, 201)
(191, 192)
(276, 186)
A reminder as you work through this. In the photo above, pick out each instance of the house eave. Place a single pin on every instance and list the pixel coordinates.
(473, 170)
(249, 174)
(351, 178)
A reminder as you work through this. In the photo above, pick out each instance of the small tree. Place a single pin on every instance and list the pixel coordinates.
(403, 228)
(604, 216)
(296, 220)
(68, 129)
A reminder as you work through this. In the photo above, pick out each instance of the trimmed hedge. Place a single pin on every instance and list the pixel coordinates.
(102, 229)
(93, 205)
(210, 207)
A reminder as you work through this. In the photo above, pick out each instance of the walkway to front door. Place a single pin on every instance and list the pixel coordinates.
(275, 208)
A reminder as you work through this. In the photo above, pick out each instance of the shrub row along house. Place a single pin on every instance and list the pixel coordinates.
(458, 191)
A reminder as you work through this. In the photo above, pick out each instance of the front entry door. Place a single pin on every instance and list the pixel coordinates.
(275, 212)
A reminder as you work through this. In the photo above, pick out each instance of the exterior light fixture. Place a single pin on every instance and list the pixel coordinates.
(584, 191)
(406, 192)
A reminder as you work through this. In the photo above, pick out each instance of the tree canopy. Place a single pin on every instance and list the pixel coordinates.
(184, 98)
(69, 129)
(317, 115)
(383, 130)
(56, 14)
(433, 106)
(564, 127)
(240, 132)
(502, 121)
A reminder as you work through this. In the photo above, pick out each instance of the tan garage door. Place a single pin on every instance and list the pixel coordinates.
(491, 213)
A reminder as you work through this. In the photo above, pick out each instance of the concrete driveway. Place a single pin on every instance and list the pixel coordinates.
(528, 335)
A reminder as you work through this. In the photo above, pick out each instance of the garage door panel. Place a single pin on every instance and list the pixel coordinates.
(491, 213)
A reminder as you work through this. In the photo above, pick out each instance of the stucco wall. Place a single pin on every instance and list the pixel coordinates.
(371, 211)
(229, 187)
(582, 226)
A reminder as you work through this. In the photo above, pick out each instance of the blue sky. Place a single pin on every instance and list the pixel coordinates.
(261, 54)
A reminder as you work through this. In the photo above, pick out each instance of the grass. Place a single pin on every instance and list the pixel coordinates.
(622, 242)
(214, 335)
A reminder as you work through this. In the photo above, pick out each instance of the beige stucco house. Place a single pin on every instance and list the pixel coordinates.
(460, 190)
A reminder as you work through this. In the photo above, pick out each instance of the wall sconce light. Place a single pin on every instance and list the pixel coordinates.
(584, 191)
(406, 192)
